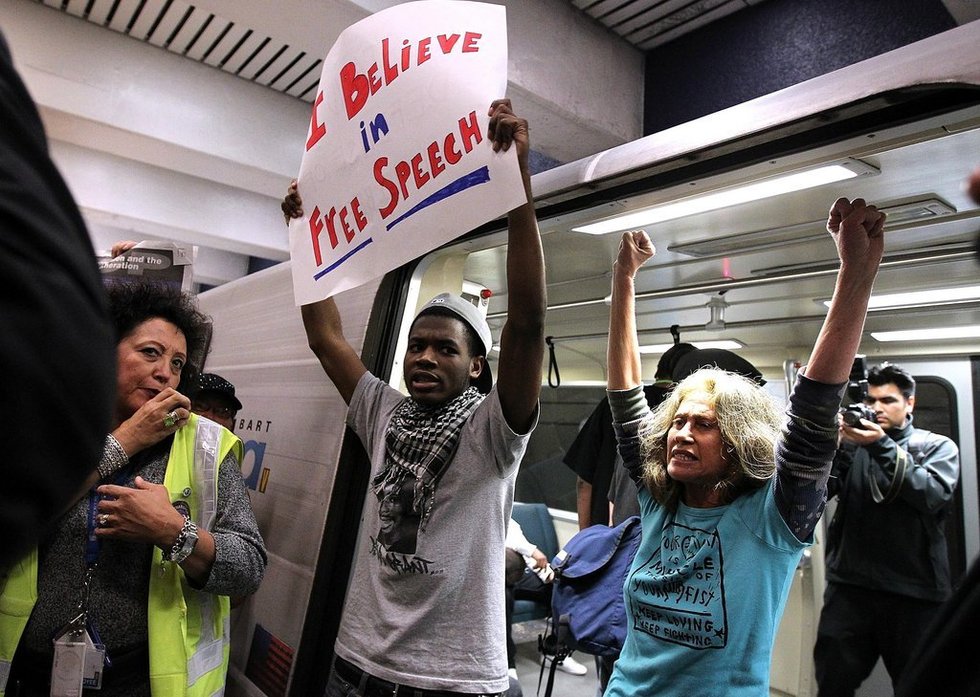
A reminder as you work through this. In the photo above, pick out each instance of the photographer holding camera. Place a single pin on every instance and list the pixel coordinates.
(887, 565)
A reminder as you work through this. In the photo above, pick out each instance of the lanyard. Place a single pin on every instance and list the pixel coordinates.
(81, 625)
(93, 545)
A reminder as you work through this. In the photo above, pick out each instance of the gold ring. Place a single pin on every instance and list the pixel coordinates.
(103, 519)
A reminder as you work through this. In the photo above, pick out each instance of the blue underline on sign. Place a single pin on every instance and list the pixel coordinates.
(474, 178)
(362, 245)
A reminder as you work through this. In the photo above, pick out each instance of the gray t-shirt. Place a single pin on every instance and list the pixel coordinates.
(425, 607)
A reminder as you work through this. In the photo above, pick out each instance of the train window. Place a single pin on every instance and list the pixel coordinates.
(544, 477)
(935, 406)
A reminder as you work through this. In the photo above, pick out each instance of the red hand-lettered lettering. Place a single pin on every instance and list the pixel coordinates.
(356, 89)
(359, 216)
(316, 227)
(469, 130)
(424, 50)
(402, 172)
(389, 185)
(435, 161)
(421, 176)
(469, 42)
(331, 230)
(317, 130)
(391, 71)
(446, 42)
(454, 146)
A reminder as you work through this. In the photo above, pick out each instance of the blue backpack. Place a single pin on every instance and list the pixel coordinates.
(587, 600)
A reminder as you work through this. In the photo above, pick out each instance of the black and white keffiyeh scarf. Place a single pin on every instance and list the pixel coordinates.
(420, 443)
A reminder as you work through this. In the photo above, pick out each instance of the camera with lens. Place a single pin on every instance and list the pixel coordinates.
(853, 413)
(857, 390)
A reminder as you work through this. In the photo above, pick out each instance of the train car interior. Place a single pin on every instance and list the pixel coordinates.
(183, 121)
(755, 277)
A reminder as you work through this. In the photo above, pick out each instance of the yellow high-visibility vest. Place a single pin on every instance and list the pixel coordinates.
(188, 629)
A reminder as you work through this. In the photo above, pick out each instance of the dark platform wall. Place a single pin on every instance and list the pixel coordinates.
(773, 45)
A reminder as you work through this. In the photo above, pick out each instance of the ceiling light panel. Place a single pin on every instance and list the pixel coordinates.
(733, 196)
(934, 334)
(918, 210)
(936, 296)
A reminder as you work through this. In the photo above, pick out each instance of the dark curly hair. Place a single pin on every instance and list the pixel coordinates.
(131, 304)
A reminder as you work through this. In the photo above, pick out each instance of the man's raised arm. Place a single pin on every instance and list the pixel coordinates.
(324, 331)
(522, 338)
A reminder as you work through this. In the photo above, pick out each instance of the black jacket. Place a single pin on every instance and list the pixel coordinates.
(896, 543)
(57, 347)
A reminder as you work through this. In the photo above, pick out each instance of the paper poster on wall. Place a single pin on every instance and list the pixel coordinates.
(150, 261)
(397, 160)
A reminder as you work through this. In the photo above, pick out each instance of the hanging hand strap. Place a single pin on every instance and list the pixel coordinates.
(552, 363)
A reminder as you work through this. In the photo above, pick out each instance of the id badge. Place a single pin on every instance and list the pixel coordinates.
(94, 663)
(68, 670)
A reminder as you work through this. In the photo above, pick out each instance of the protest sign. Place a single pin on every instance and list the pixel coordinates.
(150, 262)
(397, 159)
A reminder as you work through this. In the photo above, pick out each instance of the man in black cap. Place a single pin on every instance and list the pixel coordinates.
(214, 398)
(592, 455)
(715, 358)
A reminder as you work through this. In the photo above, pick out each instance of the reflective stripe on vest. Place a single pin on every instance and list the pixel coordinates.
(189, 629)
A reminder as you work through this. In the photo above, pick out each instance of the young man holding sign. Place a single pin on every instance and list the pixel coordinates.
(424, 613)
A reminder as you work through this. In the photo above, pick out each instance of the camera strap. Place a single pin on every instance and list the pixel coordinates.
(914, 450)
(898, 478)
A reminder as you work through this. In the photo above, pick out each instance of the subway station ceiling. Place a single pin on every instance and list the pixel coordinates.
(200, 34)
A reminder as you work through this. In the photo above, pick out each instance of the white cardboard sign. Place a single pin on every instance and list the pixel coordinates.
(397, 159)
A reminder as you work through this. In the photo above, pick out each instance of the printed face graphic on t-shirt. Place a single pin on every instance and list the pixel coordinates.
(398, 521)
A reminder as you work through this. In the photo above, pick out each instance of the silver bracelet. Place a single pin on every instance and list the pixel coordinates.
(184, 544)
(114, 458)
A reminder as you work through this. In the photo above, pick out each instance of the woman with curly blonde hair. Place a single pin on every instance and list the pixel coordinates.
(729, 491)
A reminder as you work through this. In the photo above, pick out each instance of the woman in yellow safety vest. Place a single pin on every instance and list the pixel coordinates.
(129, 589)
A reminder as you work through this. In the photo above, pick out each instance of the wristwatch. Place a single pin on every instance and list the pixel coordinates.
(184, 544)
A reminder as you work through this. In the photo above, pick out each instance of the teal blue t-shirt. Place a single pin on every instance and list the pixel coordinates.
(704, 597)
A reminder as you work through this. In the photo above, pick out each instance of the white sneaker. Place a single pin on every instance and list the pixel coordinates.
(569, 665)
(512, 673)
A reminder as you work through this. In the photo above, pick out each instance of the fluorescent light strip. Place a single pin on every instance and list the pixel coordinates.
(938, 334)
(730, 197)
(939, 296)
(662, 348)
(909, 213)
